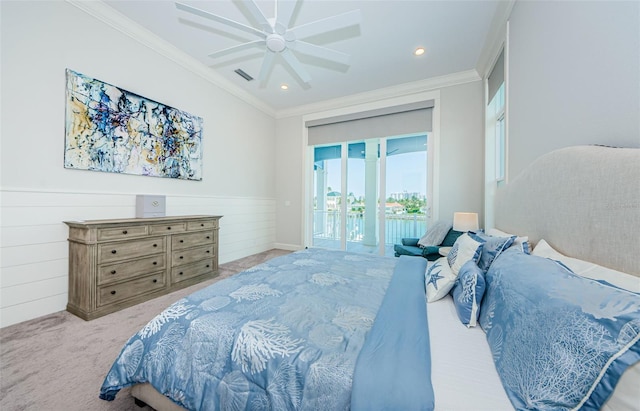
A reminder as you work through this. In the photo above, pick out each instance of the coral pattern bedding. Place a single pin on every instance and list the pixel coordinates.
(283, 335)
(559, 341)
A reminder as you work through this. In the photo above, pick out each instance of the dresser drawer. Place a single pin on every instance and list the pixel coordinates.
(202, 225)
(121, 271)
(182, 241)
(192, 270)
(109, 294)
(181, 257)
(167, 228)
(117, 263)
(120, 233)
(112, 252)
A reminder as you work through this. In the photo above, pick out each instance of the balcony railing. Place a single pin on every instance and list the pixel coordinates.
(327, 225)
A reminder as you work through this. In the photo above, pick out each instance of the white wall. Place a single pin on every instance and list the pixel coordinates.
(461, 161)
(40, 40)
(462, 150)
(290, 182)
(574, 77)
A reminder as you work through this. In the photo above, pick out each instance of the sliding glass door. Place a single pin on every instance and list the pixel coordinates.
(406, 206)
(327, 198)
(369, 194)
(362, 196)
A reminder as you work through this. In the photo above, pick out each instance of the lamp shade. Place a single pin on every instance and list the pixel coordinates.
(465, 221)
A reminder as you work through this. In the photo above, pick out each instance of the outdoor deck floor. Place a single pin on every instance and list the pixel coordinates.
(353, 246)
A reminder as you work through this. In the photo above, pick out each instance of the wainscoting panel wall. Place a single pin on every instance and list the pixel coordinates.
(34, 250)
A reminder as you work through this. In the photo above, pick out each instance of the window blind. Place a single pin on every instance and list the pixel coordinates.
(496, 76)
(384, 122)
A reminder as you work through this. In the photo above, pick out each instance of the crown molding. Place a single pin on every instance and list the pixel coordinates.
(123, 24)
(400, 90)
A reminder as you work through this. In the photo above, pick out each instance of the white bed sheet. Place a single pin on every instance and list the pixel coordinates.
(462, 370)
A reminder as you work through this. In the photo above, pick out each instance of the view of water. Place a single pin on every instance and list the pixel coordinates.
(327, 225)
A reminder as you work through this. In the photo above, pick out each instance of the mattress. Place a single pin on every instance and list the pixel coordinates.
(468, 377)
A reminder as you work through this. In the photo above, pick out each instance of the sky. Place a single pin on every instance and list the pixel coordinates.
(405, 172)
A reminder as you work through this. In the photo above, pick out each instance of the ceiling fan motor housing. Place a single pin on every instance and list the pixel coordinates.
(276, 43)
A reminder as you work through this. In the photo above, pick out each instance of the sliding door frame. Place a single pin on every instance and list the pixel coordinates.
(433, 160)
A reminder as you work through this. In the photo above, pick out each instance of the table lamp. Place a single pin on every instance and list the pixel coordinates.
(465, 222)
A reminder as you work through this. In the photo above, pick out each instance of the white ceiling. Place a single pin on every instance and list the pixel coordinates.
(381, 47)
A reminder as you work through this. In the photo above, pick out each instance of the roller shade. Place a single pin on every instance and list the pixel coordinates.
(385, 122)
(496, 77)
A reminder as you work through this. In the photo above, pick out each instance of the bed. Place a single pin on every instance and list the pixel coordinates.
(321, 329)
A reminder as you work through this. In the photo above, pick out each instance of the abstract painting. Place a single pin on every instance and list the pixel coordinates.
(113, 130)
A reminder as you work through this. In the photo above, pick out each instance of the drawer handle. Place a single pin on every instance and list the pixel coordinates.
(113, 271)
(113, 251)
(180, 273)
(207, 265)
(113, 292)
(155, 245)
(155, 263)
(168, 228)
(181, 257)
(208, 237)
(124, 232)
(202, 225)
(155, 281)
(182, 241)
(208, 251)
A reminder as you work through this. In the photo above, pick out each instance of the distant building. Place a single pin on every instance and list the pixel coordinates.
(394, 208)
(406, 195)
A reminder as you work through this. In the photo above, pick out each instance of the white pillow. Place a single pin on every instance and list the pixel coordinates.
(521, 242)
(438, 279)
(464, 249)
(435, 234)
(589, 270)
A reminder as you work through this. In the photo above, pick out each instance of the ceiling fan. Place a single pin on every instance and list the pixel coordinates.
(278, 38)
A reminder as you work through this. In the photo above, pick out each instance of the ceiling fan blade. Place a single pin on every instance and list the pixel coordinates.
(220, 19)
(284, 13)
(257, 14)
(267, 63)
(238, 47)
(295, 65)
(320, 52)
(350, 18)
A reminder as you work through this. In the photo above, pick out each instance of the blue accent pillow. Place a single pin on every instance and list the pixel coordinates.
(492, 247)
(559, 341)
(468, 292)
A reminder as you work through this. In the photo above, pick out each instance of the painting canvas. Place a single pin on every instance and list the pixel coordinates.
(113, 130)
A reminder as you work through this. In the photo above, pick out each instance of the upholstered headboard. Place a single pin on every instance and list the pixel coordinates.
(584, 201)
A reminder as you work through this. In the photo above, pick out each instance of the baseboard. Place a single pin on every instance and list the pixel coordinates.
(289, 247)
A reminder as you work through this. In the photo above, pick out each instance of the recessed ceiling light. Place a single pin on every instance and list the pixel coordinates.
(419, 51)
(284, 87)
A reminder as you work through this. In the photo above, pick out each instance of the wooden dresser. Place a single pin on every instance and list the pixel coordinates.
(115, 264)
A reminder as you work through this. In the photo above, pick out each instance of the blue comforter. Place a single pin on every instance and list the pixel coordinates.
(393, 371)
(283, 335)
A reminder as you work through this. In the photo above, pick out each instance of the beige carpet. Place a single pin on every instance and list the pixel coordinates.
(58, 362)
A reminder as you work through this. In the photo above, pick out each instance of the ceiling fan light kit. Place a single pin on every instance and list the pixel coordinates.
(278, 39)
(276, 43)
